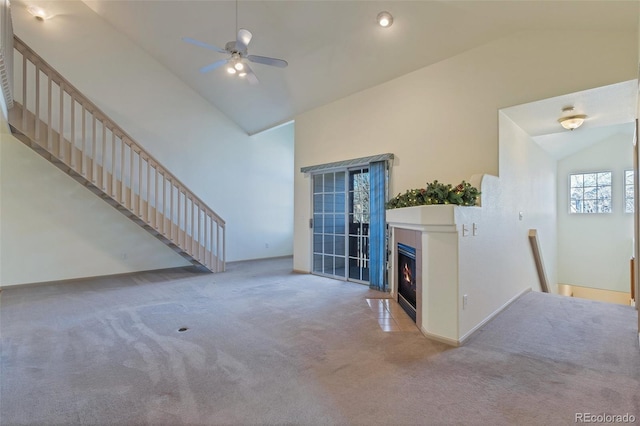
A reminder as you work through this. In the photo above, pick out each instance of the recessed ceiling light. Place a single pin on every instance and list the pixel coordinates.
(385, 19)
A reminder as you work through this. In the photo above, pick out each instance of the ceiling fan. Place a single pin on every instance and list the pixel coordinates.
(237, 62)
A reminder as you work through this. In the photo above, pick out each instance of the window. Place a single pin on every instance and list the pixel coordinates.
(628, 191)
(590, 192)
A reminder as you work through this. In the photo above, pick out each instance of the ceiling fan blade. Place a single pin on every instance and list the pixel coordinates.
(213, 66)
(244, 37)
(250, 75)
(280, 63)
(203, 44)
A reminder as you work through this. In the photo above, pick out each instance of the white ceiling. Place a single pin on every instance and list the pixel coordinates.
(610, 110)
(334, 48)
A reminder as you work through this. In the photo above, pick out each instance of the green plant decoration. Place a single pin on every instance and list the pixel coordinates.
(436, 193)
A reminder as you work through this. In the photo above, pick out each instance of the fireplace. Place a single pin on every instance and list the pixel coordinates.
(407, 279)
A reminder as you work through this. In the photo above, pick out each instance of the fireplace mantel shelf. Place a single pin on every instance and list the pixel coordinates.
(440, 214)
(419, 217)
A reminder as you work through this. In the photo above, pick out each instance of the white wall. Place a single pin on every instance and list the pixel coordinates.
(594, 250)
(441, 121)
(527, 200)
(246, 179)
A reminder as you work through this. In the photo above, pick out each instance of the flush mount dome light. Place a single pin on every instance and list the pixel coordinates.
(37, 12)
(384, 19)
(571, 121)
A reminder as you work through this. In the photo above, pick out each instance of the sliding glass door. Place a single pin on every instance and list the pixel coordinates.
(349, 233)
(341, 224)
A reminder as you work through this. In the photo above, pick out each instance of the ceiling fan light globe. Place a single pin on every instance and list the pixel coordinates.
(231, 70)
(242, 74)
(239, 66)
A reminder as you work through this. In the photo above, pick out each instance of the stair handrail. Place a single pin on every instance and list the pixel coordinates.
(217, 249)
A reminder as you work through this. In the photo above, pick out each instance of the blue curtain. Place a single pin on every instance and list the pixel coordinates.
(377, 226)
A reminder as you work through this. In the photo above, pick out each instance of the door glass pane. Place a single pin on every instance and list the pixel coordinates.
(340, 181)
(339, 245)
(329, 183)
(318, 183)
(317, 263)
(339, 202)
(328, 203)
(329, 223)
(328, 244)
(354, 268)
(339, 224)
(317, 243)
(340, 266)
(328, 265)
(365, 273)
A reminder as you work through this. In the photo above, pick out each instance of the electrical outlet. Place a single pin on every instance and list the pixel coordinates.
(464, 301)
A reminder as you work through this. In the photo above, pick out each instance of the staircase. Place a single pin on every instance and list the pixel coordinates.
(54, 119)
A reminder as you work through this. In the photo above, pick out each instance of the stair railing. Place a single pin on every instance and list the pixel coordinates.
(55, 115)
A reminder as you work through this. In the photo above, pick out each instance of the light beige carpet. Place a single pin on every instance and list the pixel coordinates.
(267, 346)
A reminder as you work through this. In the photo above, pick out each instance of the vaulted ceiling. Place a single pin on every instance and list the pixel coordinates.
(334, 48)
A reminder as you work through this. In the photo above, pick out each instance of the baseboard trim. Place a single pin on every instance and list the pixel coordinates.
(493, 315)
(441, 339)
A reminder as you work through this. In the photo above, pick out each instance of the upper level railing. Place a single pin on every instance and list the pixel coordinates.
(56, 116)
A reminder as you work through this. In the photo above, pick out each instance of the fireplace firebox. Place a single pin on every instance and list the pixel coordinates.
(407, 279)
